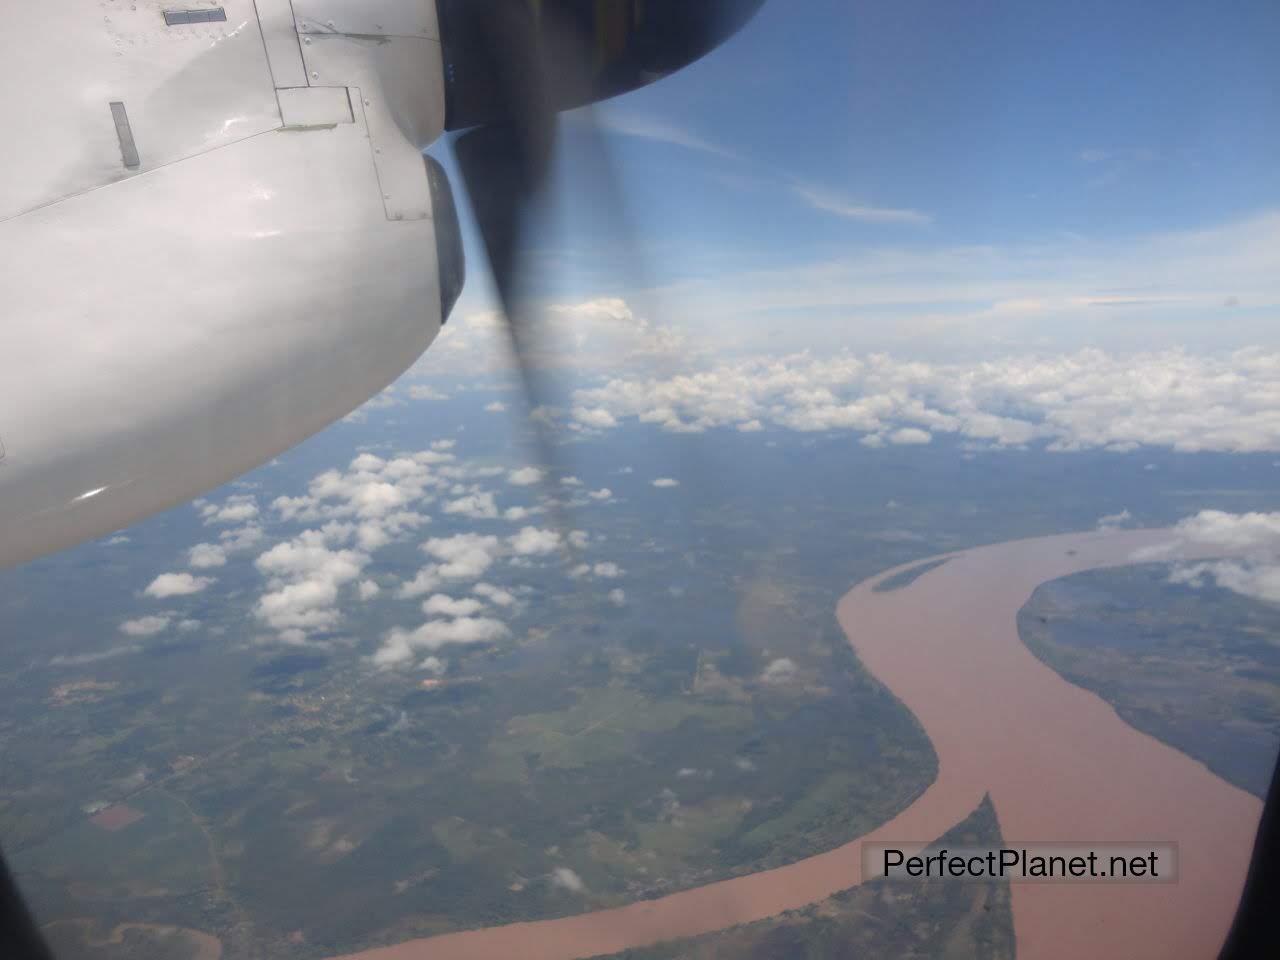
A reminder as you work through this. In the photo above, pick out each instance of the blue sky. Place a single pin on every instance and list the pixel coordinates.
(866, 173)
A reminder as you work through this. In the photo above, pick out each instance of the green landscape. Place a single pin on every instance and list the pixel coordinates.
(1197, 667)
(897, 919)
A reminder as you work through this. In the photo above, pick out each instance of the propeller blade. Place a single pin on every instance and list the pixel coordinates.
(505, 167)
(511, 66)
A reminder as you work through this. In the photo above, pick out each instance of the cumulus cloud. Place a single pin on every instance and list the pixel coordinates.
(1259, 579)
(235, 509)
(567, 879)
(516, 514)
(304, 577)
(525, 476)
(176, 585)
(496, 407)
(368, 589)
(1114, 521)
(1252, 540)
(464, 556)
(378, 500)
(144, 626)
(423, 391)
(441, 604)
(575, 336)
(618, 597)
(205, 555)
(533, 542)
(401, 646)
(424, 581)
(1248, 531)
(666, 482)
(780, 670)
(606, 570)
(910, 435)
(477, 506)
(1085, 400)
(594, 417)
(495, 595)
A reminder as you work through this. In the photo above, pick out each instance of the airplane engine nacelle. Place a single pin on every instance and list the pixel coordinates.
(217, 236)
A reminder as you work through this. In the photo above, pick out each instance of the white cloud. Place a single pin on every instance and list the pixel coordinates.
(666, 482)
(235, 509)
(464, 556)
(379, 500)
(1252, 538)
(580, 335)
(240, 538)
(910, 435)
(780, 670)
(1234, 530)
(496, 407)
(1086, 400)
(400, 645)
(604, 493)
(594, 417)
(828, 202)
(1258, 579)
(80, 659)
(567, 879)
(618, 597)
(424, 581)
(205, 555)
(441, 604)
(426, 392)
(144, 626)
(515, 514)
(477, 506)
(533, 541)
(304, 577)
(1114, 521)
(524, 476)
(176, 585)
(606, 570)
(495, 595)
(658, 131)
(368, 589)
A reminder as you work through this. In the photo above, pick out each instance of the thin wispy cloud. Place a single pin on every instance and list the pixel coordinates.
(644, 128)
(827, 202)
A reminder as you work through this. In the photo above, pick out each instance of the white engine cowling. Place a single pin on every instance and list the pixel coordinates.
(217, 236)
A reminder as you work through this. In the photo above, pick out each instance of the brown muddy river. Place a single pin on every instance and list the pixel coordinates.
(1058, 762)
